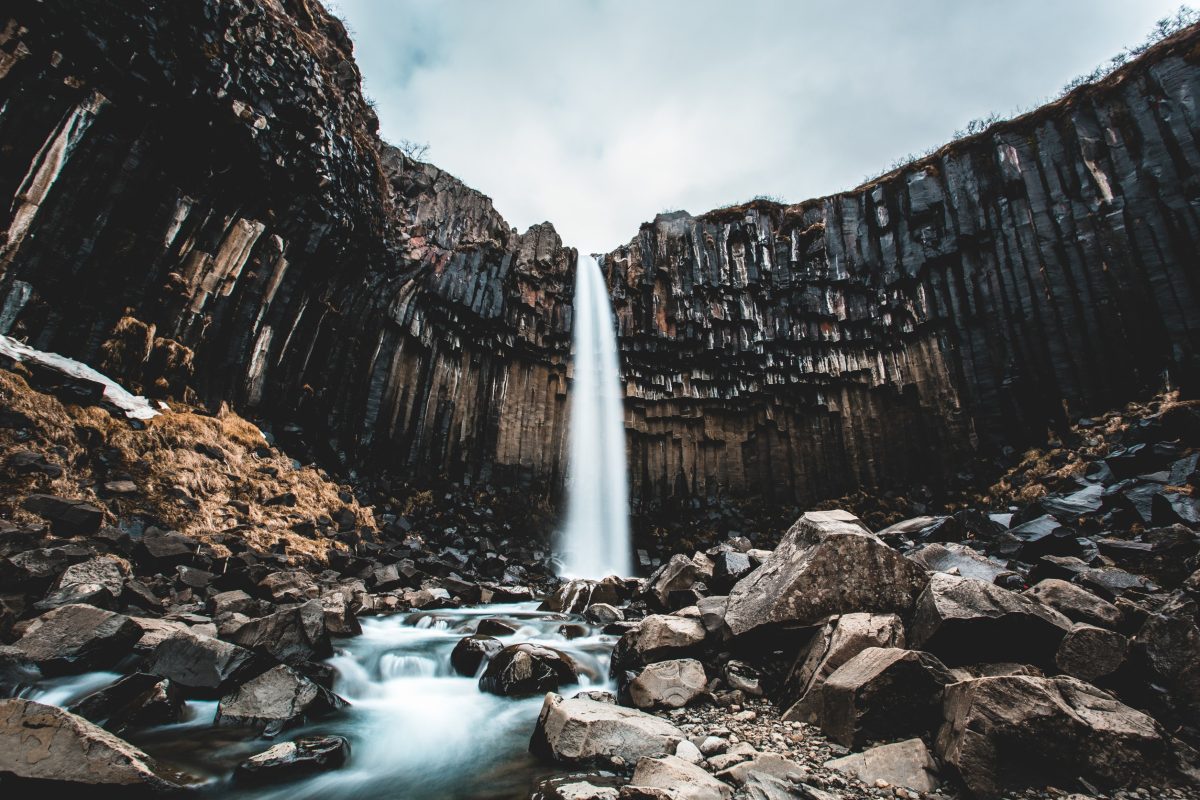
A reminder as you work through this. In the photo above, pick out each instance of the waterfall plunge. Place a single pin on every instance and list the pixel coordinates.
(595, 541)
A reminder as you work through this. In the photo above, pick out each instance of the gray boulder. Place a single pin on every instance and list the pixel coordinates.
(958, 559)
(581, 731)
(1075, 602)
(680, 779)
(290, 760)
(523, 669)
(839, 640)
(668, 684)
(279, 698)
(906, 764)
(1091, 653)
(201, 665)
(78, 638)
(291, 636)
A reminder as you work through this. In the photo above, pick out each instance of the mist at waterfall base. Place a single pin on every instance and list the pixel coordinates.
(595, 540)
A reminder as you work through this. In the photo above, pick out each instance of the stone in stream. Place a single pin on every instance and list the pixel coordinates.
(202, 665)
(1009, 733)
(40, 743)
(668, 684)
(134, 701)
(524, 669)
(471, 651)
(906, 764)
(603, 614)
(78, 638)
(292, 636)
(827, 563)
(585, 732)
(680, 779)
(279, 698)
(290, 760)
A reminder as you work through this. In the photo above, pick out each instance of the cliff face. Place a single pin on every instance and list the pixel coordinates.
(200, 203)
(972, 300)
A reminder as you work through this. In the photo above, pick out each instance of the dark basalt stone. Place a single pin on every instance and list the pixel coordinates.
(289, 760)
(66, 517)
(471, 651)
(526, 669)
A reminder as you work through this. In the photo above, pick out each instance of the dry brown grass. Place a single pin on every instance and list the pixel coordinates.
(182, 487)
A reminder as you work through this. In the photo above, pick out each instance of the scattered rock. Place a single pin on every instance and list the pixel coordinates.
(66, 517)
(201, 664)
(134, 701)
(292, 636)
(1075, 603)
(1091, 653)
(471, 651)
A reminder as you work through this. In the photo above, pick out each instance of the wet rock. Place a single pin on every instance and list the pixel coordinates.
(906, 764)
(958, 559)
(200, 664)
(838, 641)
(579, 731)
(290, 760)
(78, 638)
(491, 626)
(291, 636)
(66, 517)
(963, 621)
(1044, 536)
(524, 669)
(1075, 603)
(603, 614)
(40, 743)
(1010, 733)
(827, 563)
(471, 651)
(668, 684)
(680, 779)
(279, 698)
(134, 701)
(1091, 653)
(882, 693)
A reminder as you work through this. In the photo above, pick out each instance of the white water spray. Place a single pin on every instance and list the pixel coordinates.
(595, 541)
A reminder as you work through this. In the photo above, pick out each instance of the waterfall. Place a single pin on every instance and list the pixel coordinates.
(595, 541)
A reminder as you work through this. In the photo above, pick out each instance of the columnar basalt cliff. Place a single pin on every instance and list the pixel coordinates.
(971, 300)
(201, 205)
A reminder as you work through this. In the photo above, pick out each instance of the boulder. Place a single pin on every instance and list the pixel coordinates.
(40, 743)
(90, 594)
(66, 517)
(1091, 653)
(290, 760)
(524, 669)
(1009, 733)
(201, 665)
(134, 701)
(78, 638)
(958, 559)
(279, 698)
(232, 602)
(290, 586)
(471, 651)
(340, 619)
(572, 788)
(680, 779)
(881, 693)
(838, 641)
(162, 550)
(603, 614)
(827, 563)
(906, 764)
(676, 577)
(668, 684)
(729, 567)
(1075, 603)
(657, 638)
(581, 731)
(577, 594)
(962, 621)
(291, 636)
(108, 571)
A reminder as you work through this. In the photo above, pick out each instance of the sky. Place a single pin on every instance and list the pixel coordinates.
(598, 114)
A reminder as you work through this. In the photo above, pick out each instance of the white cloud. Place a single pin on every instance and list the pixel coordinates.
(598, 114)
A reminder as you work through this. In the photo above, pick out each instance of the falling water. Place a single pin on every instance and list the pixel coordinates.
(595, 541)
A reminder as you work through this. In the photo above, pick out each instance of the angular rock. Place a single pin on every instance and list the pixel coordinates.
(201, 664)
(882, 693)
(108, 571)
(603, 614)
(658, 637)
(291, 636)
(290, 760)
(1075, 603)
(1009, 733)
(66, 517)
(471, 651)
(40, 743)
(827, 563)
(906, 764)
(1091, 653)
(958, 559)
(134, 701)
(524, 669)
(583, 732)
(78, 638)
(838, 641)
(668, 684)
(680, 779)
(963, 621)
(279, 698)
(577, 594)
(677, 575)
(91, 594)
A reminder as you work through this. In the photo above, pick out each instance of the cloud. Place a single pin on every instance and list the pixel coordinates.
(598, 114)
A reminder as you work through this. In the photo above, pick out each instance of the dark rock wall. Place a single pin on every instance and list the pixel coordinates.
(200, 202)
(975, 299)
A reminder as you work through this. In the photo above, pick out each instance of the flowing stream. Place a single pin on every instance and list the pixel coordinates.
(595, 541)
(417, 729)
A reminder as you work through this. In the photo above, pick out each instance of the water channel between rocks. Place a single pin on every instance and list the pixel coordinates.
(417, 730)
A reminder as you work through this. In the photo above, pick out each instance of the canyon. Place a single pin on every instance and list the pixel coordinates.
(202, 207)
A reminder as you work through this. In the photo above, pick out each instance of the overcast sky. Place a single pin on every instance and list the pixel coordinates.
(598, 114)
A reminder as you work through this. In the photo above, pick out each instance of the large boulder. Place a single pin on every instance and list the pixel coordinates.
(108, 571)
(1091, 653)
(573, 596)
(963, 621)
(289, 760)
(291, 636)
(906, 764)
(40, 743)
(582, 731)
(668, 684)
(134, 701)
(77, 638)
(676, 577)
(66, 517)
(523, 669)
(958, 559)
(201, 665)
(657, 638)
(1010, 733)
(471, 651)
(881, 693)
(827, 563)
(839, 640)
(1075, 603)
(680, 779)
(279, 698)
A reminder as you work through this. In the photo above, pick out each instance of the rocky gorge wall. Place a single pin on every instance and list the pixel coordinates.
(974, 299)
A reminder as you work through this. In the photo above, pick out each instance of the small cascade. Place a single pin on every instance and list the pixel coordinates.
(595, 541)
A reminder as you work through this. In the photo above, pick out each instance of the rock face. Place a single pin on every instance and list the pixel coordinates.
(827, 563)
(43, 743)
(581, 731)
